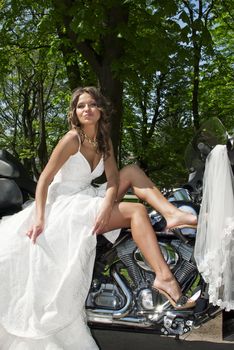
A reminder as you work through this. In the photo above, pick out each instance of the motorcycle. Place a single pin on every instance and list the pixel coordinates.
(16, 185)
(120, 296)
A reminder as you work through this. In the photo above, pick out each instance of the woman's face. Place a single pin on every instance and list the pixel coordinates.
(87, 111)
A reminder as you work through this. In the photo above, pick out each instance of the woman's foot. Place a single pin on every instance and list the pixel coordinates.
(180, 219)
(171, 290)
(169, 285)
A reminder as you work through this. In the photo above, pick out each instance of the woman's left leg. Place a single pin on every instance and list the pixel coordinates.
(131, 176)
(134, 215)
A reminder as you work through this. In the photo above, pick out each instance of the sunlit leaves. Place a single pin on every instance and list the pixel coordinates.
(148, 45)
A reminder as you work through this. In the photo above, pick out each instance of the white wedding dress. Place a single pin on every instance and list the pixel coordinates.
(44, 286)
(214, 248)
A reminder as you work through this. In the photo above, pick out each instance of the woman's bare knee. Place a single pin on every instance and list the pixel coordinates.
(140, 212)
(130, 213)
(126, 176)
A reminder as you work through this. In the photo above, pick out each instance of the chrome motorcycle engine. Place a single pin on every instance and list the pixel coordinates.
(124, 296)
(105, 295)
(170, 255)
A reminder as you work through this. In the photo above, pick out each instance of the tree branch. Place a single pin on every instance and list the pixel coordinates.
(158, 104)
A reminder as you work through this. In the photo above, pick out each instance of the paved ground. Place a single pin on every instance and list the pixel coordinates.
(207, 337)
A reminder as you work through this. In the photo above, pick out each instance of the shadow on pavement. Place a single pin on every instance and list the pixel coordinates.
(115, 340)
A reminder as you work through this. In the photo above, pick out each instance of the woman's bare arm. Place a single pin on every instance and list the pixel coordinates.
(67, 146)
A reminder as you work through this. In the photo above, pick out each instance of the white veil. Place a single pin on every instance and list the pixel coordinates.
(214, 248)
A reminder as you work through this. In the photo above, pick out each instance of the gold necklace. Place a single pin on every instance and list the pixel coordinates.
(92, 142)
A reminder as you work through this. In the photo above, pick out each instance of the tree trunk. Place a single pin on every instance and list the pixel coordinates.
(42, 148)
(27, 122)
(71, 64)
(113, 89)
(110, 49)
(196, 81)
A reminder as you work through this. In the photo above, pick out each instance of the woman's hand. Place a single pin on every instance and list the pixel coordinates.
(102, 219)
(35, 231)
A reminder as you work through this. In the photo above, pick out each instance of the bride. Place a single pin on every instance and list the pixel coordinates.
(47, 250)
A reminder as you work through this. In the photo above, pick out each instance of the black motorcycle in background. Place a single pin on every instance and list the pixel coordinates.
(16, 185)
(120, 295)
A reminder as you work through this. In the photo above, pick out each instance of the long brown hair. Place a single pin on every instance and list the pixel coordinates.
(104, 106)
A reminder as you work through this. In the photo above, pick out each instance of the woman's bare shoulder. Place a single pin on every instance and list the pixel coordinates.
(71, 134)
(70, 141)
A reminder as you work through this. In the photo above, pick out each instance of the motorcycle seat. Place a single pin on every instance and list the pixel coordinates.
(11, 168)
(11, 198)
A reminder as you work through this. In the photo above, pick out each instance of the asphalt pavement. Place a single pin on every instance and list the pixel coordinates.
(207, 337)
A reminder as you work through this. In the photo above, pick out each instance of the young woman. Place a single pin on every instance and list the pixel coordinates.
(44, 284)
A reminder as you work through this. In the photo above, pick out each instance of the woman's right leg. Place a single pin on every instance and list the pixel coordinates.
(134, 215)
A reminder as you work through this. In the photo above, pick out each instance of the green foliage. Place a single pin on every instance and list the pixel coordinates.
(157, 122)
(217, 85)
(157, 50)
(33, 89)
(171, 99)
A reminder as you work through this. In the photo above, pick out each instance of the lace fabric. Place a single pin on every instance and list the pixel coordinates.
(214, 248)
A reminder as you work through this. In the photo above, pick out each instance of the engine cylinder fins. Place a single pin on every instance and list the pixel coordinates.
(134, 273)
(185, 272)
(125, 253)
(125, 248)
(185, 250)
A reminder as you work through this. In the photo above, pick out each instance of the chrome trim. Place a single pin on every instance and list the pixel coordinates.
(105, 313)
(140, 322)
(137, 322)
(169, 253)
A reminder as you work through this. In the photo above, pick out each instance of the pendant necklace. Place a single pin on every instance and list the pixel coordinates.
(92, 142)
